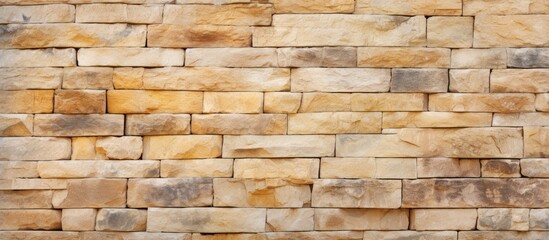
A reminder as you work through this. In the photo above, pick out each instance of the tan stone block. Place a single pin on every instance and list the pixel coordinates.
(317, 235)
(30, 78)
(409, 7)
(96, 235)
(295, 170)
(58, 235)
(325, 102)
(128, 78)
(334, 122)
(142, 101)
(501, 235)
(119, 147)
(79, 219)
(346, 30)
(272, 193)
(26, 101)
(450, 32)
(169, 192)
(313, 6)
(233, 102)
(443, 219)
(218, 79)
(415, 142)
(278, 146)
(182, 36)
(538, 219)
(482, 102)
(232, 57)
(542, 102)
(149, 57)
(520, 31)
(340, 80)
(215, 167)
(80, 101)
(182, 147)
(436, 119)
(25, 199)
(388, 102)
(18, 169)
(352, 194)
(34, 148)
(83, 148)
(210, 220)
(32, 184)
(297, 219)
(78, 125)
(500, 168)
(503, 219)
(317, 56)
(27, 219)
(118, 13)
(411, 235)
(37, 13)
(230, 14)
(419, 80)
(281, 102)
(51, 57)
(348, 168)
(536, 140)
(98, 169)
(504, 7)
(88, 78)
(361, 219)
(82, 193)
(479, 58)
(158, 124)
(124, 220)
(396, 168)
(520, 80)
(447, 167)
(70, 35)
(535, 167)
(528, 57)
(16, 125)
(470, 80)
(403, 57)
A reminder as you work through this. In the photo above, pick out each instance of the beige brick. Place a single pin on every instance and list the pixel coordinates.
(520, 80)
(313, 6)
(340, 80)
(58, 235)
(182, 147)
(436, 119)
(26, 101)
(325, 102)
(118, 13)
(317, 57)
(520, 31)
(215, 167)
(470, 80)
(500, 168)
(18, 169)
(169, 192)
(278, 146)
(450, 32)
(80, 101)
(503, 219)
(119, 148)
(334, 122)
(534, 167)
(88, 78)
(348, 168)
(37, 13)
(536, 140)
(82, 193)
(142, 101)
(182, 36)
(388, 102)
(409, 7)
(477, 7)
(78, 219)
(34, 148)
(96, 235)
(403, 57)
(158, 124)
(83, 148)
(410, 235)
(479, 58)
(447, 167)
(498, 235)
(78, 125)
(542, 102)
(297, 169)
(32, 184)
(361, 219)
(149, 57)
(296, 219)
(16, 125)
(281, 102)
(230, 14)
(25, 199)
(443, 219)
(128, 78)
(320, 235)
(27, 219)
(419, 80)
(30, 78)
(396, 168)
(125, 220)
(233, 102)
(465, 102)
(98, 169)
(51, 57)
(232, 57)
(340, 193)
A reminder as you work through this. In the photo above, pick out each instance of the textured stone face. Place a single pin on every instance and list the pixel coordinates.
(387, 102)
(80, 101)
(447, 167)
(419, 80)
(26, 101)
(361, 219)
(528, 57)
(542, 102)
(521, 31)
(27, 148)
(278, 146)
(181, 147)
(317, 57)
(536, 140)
(450, 32)
(16, 125)
(138, 101)
(500, 168)
(335, 122)
(37, 13)
(403, 57)
(479, 58)
(112, 219)
(17, 169)
(78, 125)
(538, 219)
(520, 80)
(88, 78)
(182, 36)
(78, 219)
(98, 169)
(313, 6)
(197, 168)
(25, 199)
(469, 80)
(476, 7)
(464, 102)
(175, 192)
(435, 119)
(340, 80)
(281, 102)
(437, 219)
(230, 14)
(410, 235)
(82, 193)
(150, 57)
(50, 57)
(114, 13)
(297, 169)
(290, 219)
(157, 124)
(30, 78)
(503, 219)
(537, 167)
(233, 102)
(26, 219)
(119, 147)
(409, 7)
(356, 193)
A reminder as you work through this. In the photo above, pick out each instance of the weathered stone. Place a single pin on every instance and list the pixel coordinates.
(397, 168)
(95, 235)
(128, 78)
(118, 13)
(34, 148)
(17, 169)
(125, 220)
(470, 80)
(119, 147)
(182, 36)
(182, 147)
(230, 14)
(348, 168)
(536, 140)
(479, 58)
(542, 102)
(296, 170)
(416, 142)
(233, 102)
(528, 57)
(410, 235)
(345, 30)
(28, 219)
(317, 57)
(79, 219)
(503, 219)
(149, 57)
(447, 167)
(500, 168)
(538, 219)
(26, 101)
(313, 6)
(409, 7)
(450, 32)
(535, 167)
(98, 169)
(25, 199)
(83, 148)
(340, 80)
(520, 31)
(520, 80)
(16, 125)
(466, 102)
(297, 219)
(82, 193)
(474, 193)
(272, 193)
(48, 235)
(78, 125)
(32, 184)
(88, 78)
(361, 219)
(210, 220)
(196, 168)
(325, 102)
(157, 124)
(30, 78)
(501, 235)
(419, 80)
(317, 235)
(403, 57)
(232, 57)
(142, 101)
(278, 146)
(281, 102)
(504, 7)
(51, 57)
(436, 119)
(70, 35)
(37, 13)
(387, 102)
(80, 101)
(360, 193)
(437, 219)
(169, 192)
(334, 122)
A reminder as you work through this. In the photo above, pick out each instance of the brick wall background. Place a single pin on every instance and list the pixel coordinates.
(278, 119)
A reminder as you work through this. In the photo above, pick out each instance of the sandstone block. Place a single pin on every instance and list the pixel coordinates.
(82, 193)
(278, 146)
(396, 168)
(78, 219)
(196, 168)
(340, 80)
(18, 169)
(80, 101)
(403, 57)
(534, 167)
(149, 57)
(465, 102)
(317, 57)
(295, 170)
(78, 125)
(233, 102)
(419, 80)
(410, 235)
(128, 78)
(479, 58)
(498, 235)
(30, 78)
(542, 102)
(25, 199)
(281, 102)
(450, 32)
(50, 57)
(182, 36)
(16, 125)
(520, 80)
(232, 57)
(334, 122)
(361, 219)
(538, 219)
(470, 80)
(348, 168)
(318, 235)
(447, 167)
(140, 101)
(325, 102)
(520, 31)
(96, 235)
(37, 13)
(119, 147)
(181, 147)
(296, 219)
(98, 169)
(387, 102)
(34, 148)
(360, 193)
(169, 192)
(32, 184)
(528, 57)
(409, 7)
(118, 13)
(500, 168)
(157, 124)
(503, 219)
(27, 219)
(26, 101)
(435, 119)
(88, 78)
(58, 235)
(230, 14)
(83, 148)
(536, 140)
(477, 7)
(124, 220)
(313, 6)
(443, 219)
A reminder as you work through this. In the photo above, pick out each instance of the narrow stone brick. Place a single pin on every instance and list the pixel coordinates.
(297, 169)
(325, 102)
(34, 148)
(126, 148)
(27, 219)
(536, 140)
(239, 124)
(501, 235)
(290, 219)
(118, 13)
(202, 168)
(436, 119)
(148, 57)
(16, 125)
(182, 147)
(17, 169)
(232, 57)
(80, 101)
(32, 184)
(313, 6)
(464, 102)
(403, 57)
(278, 146)
(339, 193)
(58, 235)
(516, 219)
(25, 199)
(528, 57)
(535, 167)
(169, 192)
(450, 32)
(230, 14)
(334, 122)
(281, 102)
(410, 235)
(96, 235)
(419, 80)
(26, 101)
(538, 219)
(233, 102)
(88, 78)
(387, 102)
(542, 102)
(340, 80)
(37, 13)
(470, 80)
(78, 125)
(317, 57)
(128, 78)
(447, 167)
(520, 80)
(520, 31)
(500, 168)
(158, 124)
(82, 193)
(504, 7)
(143, 101)
(320, 235)
(443, 219)
(98, 169)
(125, 220)
(30, 78)
(348, 168)
(479, 58)
(409, 7)
(78, 219)
(182, 36)
(361, 219)
(51, 57)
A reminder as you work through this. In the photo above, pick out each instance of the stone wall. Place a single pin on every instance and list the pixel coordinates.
(274, 119)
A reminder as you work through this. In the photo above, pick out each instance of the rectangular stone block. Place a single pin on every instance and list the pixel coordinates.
(296, 169)
(99, 169)
(37, 13)
(16, 125)
(396, 168)
(450, 32)
(317, 57)
(17, 169)
(118, 13)
(436, 119)
(361, 219)
(148, 57)
(498, 235)
(313, 6)
(78, 219)
(334, 123)
(231, 14)
(390, 57)
(479, 58)
(32, 184)
(143, 101)
(30, 78)
(348, 168)
(340, 80)
(320, 235)
(34, 148)
(542, 102)
(447, 168)
(232, 57)
(387, 102)
(82, 193)
(124, 148)
(516, 219)
(200, 168)
(59, 235)
(206, 219)
(409, 7)
(281, 102)
(520, 31)
(239, 124)
(538, 219)
(182, 36)
(169, 192)
(415, 142)
(419, 80)
(80, 101)
(71, 35)
(25, 199)
(350, 193)
(27, 220)
(78, 125)
(504, 7)
(325, 102)
(520, 80)
(233, 102)
(536, 140)
(535, 167)
(500, 168)
(470, 80)
(182, 147)
(88, 78)
(96, 235)
(410, 235)
(290, 219)
(278, 146)
(158, 124)
(443, 219)
(26, 101)
(528, 57)
(483, 102)
(121, 220)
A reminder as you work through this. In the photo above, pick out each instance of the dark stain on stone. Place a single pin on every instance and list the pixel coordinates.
(528, 58)
(180, 193)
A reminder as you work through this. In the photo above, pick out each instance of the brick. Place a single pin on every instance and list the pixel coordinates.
(214, 167)
(409, 7)
(88, 78)
(339, 193)
(361, 219)
(542, 102)
(37, 14)
(528, 57)
(300, 219)
(148, 57)
(465, 102)
(321, 235)
(521, 31)
(281, 102)
(538, 219)
(470, 80)
(32, 184)
(82, 193)
(439, 219)
(297, 169)
(18, 169)
(504, 7)
(98, 169)
(79, 219)
(128, 78)
(95, 235)
(230, 14)
(169, 192)
(536, 140)
(313, 6)
(157, 124)
(340, 80)
(78, 125)
(387, 102)
(503, 219)
(83, 148)
(500, 168)
(34, 148)
(450, 32)
(317, 57)
(325, 102)
(278, 146)
(80, 101)
(233, 102)
(334, 122)
(447, 167)
(479, 58)
(534, 167)
(403, 57)
(501, 235)
(436, 119)
(118, 13)
(125, 220)
(143, 101)
(125, 148)
(26, 219)
(520, 80)
(181, 36)
(232, 57)
(26, 101)
(410, 235)
(419, 80)
(30, 78)
(25, 199)
(239, 124)
(16, 125)
(59, 235)
(181, 147)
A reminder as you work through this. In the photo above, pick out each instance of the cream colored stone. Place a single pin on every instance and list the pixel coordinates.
(348, 168)
(82, 193)
(450, 32)
(536, 140)
(184, 36)
(516, 219)
(340, 80)
(447, 167)
(16, 125)
(479, 58)
(211, 1)
(182, 147)
(27, 219)
(520, 31)
(409, 7)
(25, 199)
(443, 219)
(169, 192)
(18, 169)
(34, 148)
(500, 168)
(411, 235)
(233, 102)
(296, 170)
(352, 193)
(98, 169)
(149, 57)
(96, 235)
(230, 14)
(317, 235)
(26, 101)
(215, 167)
(30, 78)
(520, 80)
(57, 235)
(396, 168)
(88, 78)
(128, 78)
(317, 56)
(37, 13)
(119, 147)
(231, 57)
(542, 102)
(83, 148)
(142, 101)
(271, 193)
(504, 7)
(528, 57)
(281, 102)
(32, 184)
(361, 219)
(278, 146)
(239, 123)
(325, 102)
(403, 57)
(465, 102)
(334, 122)
(313, 6)
(80, 101)
(535, 167)
(118, 13)
(50, 57)
(538, 219)
(427, 80)
(125, 220)
(157, 124)
(79, 219)
(436, 119)
(387, 102)
(78, 125)
(296, 219)
(470, 80)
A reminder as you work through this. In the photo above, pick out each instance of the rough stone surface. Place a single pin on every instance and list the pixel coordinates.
(34, 183)
(436, 119)
(183, 36)
(125, 220)
(535, 167)
(196, 168)
(465, 102)
(82, 193)
(26, 219)
(30, 78)
(334, 122)
(313, 6)
(409, 7)
(116, 13)
(538, 219)
(411, 235)
(150, 57)
(503, 219)
(78, 219)
(469, 80)
(139, 101)
(450, 32)
(33, 148)
(520, 80)
(278, 146)
(437, 219)
(51, 57)
(361, 219)
(98, 169)
(157, 124)
(403, 57)
(297, 169)
(340, 80)
(542, 102)
(387, 102)
(528, 57)
(17, 169)
(233, 102)
(356, 193)
(536, 140)
(25, 199)
(479, 58)
(128, 78)
(477, 7)
(26, 101)
(79, 101)
(169, 192)
(16, 125)
(447, 167)
(290, 219)
(37, 14)
(88, 78)
(281, 102)
(419, 80)
(500, 168)
(325, 102)
(119, 147)
(317, 57)
(521, 31)
(181, 147)
(78, 125)
(230, 14)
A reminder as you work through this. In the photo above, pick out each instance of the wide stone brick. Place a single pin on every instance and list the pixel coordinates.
(118, 13)
(239, 124)
(447, 167)
(386, 102)
(200, 168)
(536, 140)
(403, 57)
(479, 58)
(78, 125)
(361, 219)
(157, 124)
(368, 168)
(143, 101)
(169, 192)
(520, 80)
(409, 7)
(34, 148)
(96, 235)
(37, 13)
(504, 7)
(148, 57)
(411, 235)
(78, 219)
(182, 147)
(443, 219)
(32, 184)
(419, 80)
(450, 32)
(58, 235)
(125, 220)
(500, 168)
(281, 102)
(313, 6)
(88, 78)
(516, 219)
(290, 219)
(538, 219)
(25, 199)
(352, 193)
(30, 220)
(295, 169)
(17, 170)
(82, 193)
(125, 148)
(80, 101)
(51, 57)
(232, 57)
(230, 14)
(278, 146)
(30, 78)
(520, 31)
(535, 167)
(325, 102)
(183, 36)
(233, 102)
(465, 102)
(334, 122)
(16, 125)
(436, 119)
(98, 169)
(317, 57)
(340, 80)
(528, 57)
(501, 235)
(26, 101)
(470, 80)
